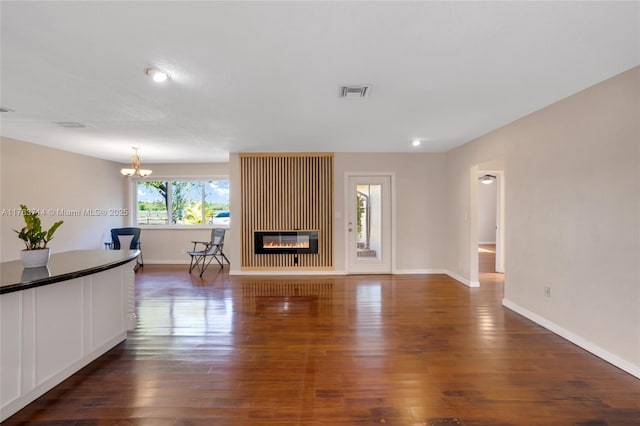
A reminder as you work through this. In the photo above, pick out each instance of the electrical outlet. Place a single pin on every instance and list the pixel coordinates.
(547, 291)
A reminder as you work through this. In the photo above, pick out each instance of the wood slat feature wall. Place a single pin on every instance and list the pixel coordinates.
(282, 192)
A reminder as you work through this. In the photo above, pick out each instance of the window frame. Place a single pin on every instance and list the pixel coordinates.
(133, 199)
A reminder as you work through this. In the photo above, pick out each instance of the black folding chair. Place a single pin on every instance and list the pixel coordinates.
(134, 233)
(212, 249)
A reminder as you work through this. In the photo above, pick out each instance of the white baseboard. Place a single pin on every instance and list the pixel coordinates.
(167, 262)
(334, 272)
(613, 359)
(240, 272)
(419, 271)
(285, 272)
(463, 280)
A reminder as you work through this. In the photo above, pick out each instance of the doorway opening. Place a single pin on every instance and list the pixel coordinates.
(487, 236)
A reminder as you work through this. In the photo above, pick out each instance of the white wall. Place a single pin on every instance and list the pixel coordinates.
(420, 185)
(572, 176)
(54, 180)
(235, 199)
(461, 205)
(578, 222)
(82, 182)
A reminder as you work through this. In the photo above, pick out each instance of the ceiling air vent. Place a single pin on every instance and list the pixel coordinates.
(70, 124)
(3, 109)
(355, 92)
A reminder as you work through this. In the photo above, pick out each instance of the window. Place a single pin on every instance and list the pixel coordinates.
(182, 202)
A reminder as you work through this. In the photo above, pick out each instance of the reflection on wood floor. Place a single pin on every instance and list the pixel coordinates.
(401, 350)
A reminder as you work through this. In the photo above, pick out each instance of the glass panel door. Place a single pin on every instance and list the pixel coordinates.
(369, 224)
(369, 221)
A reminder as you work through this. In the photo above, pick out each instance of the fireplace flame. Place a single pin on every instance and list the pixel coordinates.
(278, 245)
(285, 242)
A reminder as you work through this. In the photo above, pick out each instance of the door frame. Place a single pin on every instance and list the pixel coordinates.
(500, 223)
(392, 178)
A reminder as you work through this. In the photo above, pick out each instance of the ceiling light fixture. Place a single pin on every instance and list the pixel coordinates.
(416, 142)
(136, 164)
(487, 179)
(355, 92)
(157, 75)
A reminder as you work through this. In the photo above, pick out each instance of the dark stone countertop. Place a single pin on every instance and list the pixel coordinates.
(62, 267)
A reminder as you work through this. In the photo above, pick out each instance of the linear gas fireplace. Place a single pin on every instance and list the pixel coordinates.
(267, 242)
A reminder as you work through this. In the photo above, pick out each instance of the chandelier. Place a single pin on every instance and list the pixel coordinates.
(136, 163)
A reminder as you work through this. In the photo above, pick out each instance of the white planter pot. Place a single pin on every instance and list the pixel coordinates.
(35, 258)
(32, 274)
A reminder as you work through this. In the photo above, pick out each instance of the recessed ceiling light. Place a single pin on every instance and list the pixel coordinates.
(416, 142)
(157, 75)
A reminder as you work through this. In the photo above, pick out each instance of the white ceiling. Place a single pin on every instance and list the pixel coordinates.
(264, 76)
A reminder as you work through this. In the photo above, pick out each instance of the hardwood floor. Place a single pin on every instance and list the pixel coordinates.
(398, 350)
(487, 265)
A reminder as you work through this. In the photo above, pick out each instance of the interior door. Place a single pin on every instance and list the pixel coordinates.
(368, 224)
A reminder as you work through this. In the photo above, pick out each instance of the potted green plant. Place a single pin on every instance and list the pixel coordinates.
(36, 253)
